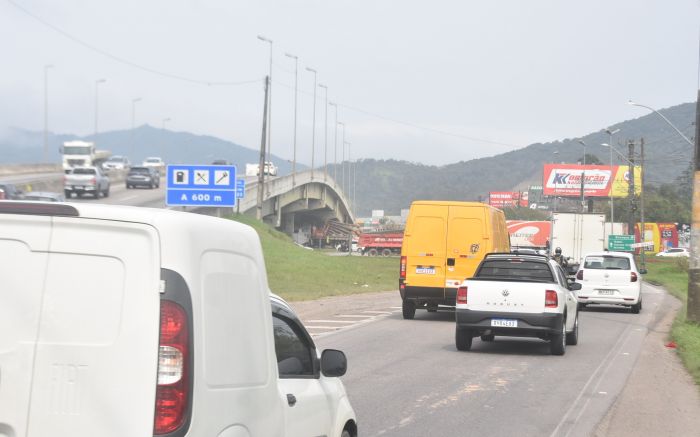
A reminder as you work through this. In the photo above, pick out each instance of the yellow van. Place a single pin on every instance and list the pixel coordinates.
(443, 244)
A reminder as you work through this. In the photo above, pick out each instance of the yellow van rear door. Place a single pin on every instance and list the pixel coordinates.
(466, 243)
(424, 246)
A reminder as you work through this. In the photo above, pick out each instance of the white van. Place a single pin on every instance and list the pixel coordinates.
(121, 321)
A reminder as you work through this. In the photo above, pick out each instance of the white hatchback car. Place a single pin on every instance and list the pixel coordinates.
(610, 278)
(674, 252)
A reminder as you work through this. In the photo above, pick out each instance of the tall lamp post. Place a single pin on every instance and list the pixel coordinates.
(97, 103)
(630, 102)
(335, 145)
(325, 136)
(612, 178)
(296, 93)
(133, 123)
(269, 101)
(583, 177)
(313, 124)
(342, 169)
(46, 112)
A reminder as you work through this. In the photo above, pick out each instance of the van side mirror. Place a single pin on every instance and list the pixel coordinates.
(333, 363)
(575, 286)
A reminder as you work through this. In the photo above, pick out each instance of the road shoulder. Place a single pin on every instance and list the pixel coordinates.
(660, 397)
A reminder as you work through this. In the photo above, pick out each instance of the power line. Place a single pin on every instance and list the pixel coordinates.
(126, 61)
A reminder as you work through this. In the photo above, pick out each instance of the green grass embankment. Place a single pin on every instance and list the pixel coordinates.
(672, 274)
(296, 273)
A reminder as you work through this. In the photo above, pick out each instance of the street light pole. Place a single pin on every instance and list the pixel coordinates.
(97, 103)
(313, 124)
(583, 177)
(612, 179)
(133, 123)
(269, 103)
(46, 112)
(325, 136)
(342, 170)
(346, 187)
(630, 102)
(335, 146)
(296, 93)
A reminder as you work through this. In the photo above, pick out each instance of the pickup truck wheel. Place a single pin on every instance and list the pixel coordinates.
(557, 344)
(106, 193)
(97, 194)
(67, 194)
(373, 252)
(463, 339)
(386, 252)
(409, 309)
(572, 337)
(490, 337)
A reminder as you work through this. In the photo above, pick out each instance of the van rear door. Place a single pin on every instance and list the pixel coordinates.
(424, 243)
(95, 369)
(24, 243)
(466, 243)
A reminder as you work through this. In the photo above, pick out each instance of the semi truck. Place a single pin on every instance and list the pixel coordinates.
(577, 235)
(82, 154)
(253, 169)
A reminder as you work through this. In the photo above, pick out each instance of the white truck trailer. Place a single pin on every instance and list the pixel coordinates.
(577, 234)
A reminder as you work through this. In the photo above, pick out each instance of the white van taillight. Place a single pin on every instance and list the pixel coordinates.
(550, 299)
(403, 268)
(579, 275)
(633, 277)
(172, 391)
(462, 295)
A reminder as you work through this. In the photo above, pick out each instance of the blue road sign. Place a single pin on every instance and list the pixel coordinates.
(201, 185)
(240, 188)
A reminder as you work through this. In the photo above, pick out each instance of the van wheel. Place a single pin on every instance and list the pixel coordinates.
(463, 339)
(386, 252)
(636, 308)
(373, 252)
(557, 343)
(572, 337)
(409, 309)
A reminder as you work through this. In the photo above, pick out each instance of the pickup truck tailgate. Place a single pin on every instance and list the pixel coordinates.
(501, 296)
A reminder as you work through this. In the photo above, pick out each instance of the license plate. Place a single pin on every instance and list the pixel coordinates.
(78, 187)
(425, 270)
(504, 323)
(606, 291)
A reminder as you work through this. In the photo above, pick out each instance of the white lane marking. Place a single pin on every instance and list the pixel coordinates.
(362, 316)
(607, 358)
(331, 321)
(129, 197)
(396, 308)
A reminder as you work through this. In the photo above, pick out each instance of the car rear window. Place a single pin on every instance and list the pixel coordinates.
(84, 171)
(515, 270)
(607, 263)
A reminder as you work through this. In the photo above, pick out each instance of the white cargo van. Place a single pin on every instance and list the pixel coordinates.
(120, 321)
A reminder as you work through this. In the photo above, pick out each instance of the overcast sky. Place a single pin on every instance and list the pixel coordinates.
(478, 77)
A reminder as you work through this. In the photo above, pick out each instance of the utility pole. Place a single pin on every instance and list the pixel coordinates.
(630, 192)
(693, 312)
(641, 205)
(261, 165)
(296, 93)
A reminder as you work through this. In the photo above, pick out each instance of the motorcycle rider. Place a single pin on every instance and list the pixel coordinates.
(559, 258)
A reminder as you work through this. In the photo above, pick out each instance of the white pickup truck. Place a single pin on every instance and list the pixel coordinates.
(86, 180)
(517, 295)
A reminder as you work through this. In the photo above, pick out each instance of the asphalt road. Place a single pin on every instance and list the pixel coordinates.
(406, 378)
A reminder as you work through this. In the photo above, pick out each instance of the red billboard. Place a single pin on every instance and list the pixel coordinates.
(508, 199)
(565, 180)
(528, 233)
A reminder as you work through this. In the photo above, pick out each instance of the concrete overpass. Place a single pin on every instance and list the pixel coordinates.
(290, 205)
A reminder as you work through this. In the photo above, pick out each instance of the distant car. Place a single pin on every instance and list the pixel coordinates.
(610, 278)
(117, 162)
(674, 252)
(221, 162)
(44, 196)
(155, 162)
(10, 192)
(142, 177)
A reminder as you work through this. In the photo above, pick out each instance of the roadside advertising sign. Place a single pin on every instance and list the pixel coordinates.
(622, 243)
(508, 199)
(528, 233)
(565, 180)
